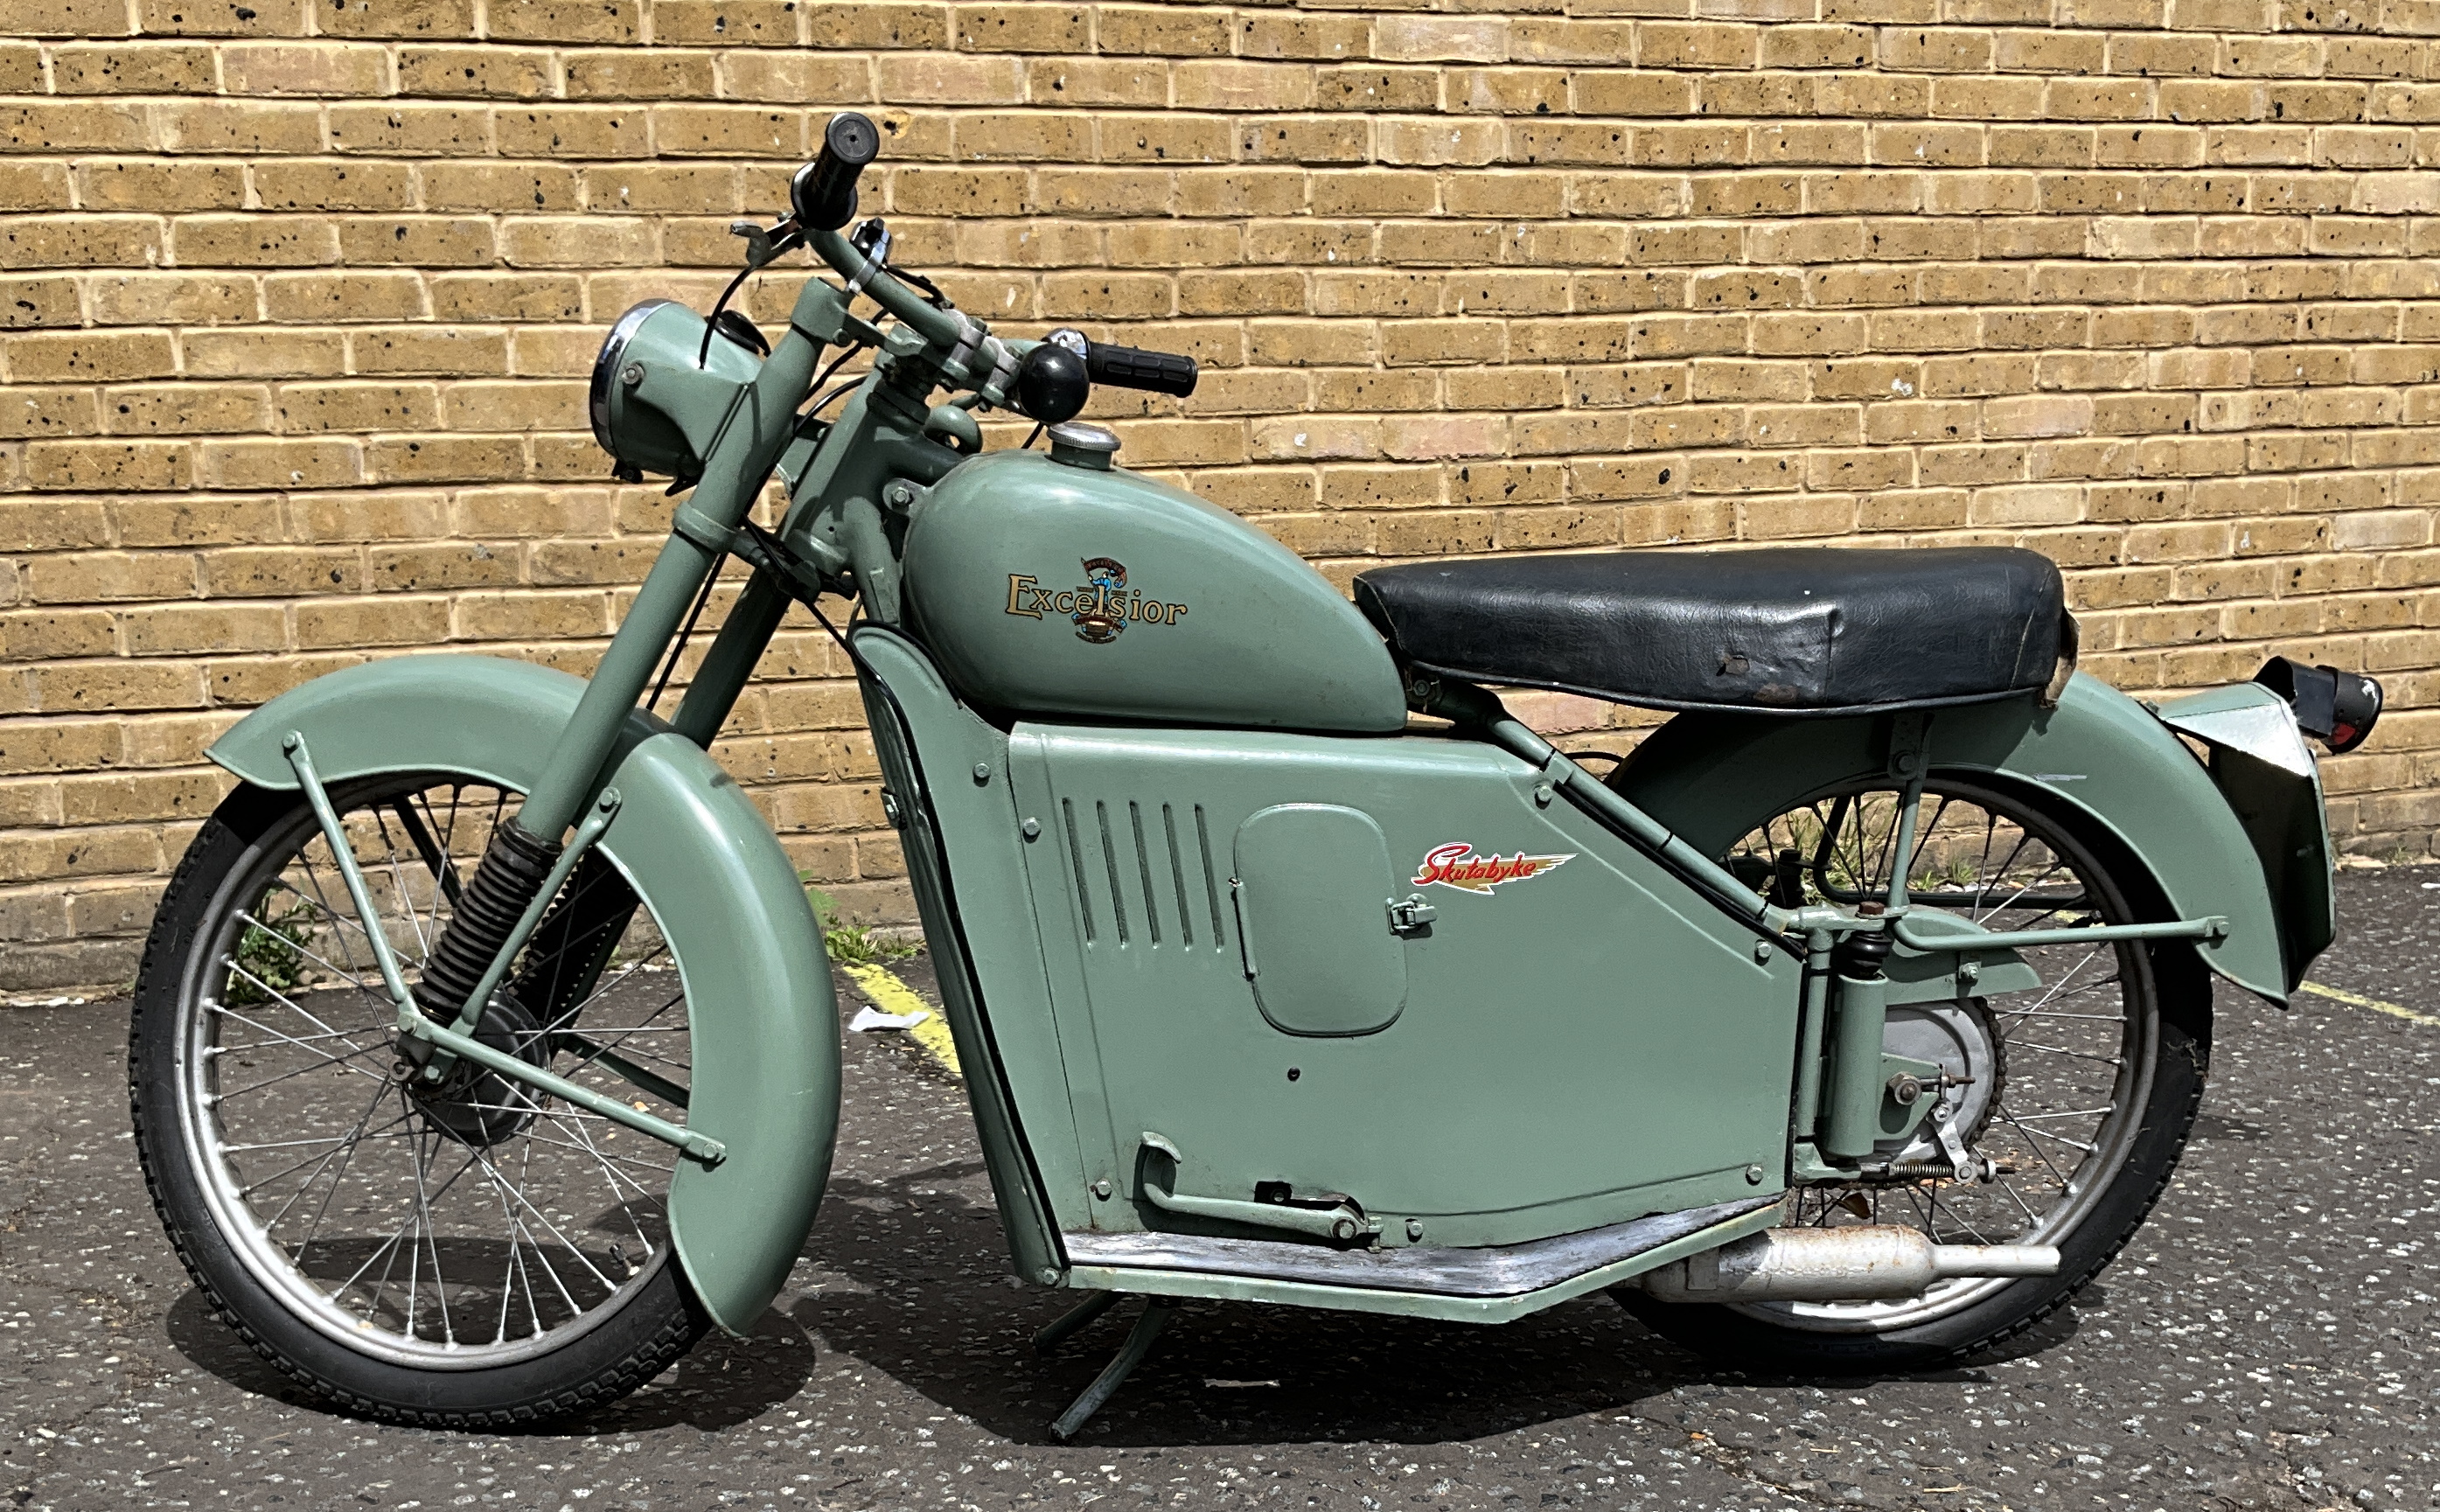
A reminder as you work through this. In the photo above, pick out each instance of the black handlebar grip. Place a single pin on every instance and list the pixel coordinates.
(1163, 373)
(823, 192)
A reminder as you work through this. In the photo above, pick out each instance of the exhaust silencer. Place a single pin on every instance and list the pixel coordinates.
(1860, 1264)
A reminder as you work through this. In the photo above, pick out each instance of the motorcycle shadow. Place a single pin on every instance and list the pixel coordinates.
(909, 1277)
(720, 1383)
(926, 1298)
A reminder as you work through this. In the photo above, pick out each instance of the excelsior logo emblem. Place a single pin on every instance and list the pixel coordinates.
(1455, 865)
(1101, 608)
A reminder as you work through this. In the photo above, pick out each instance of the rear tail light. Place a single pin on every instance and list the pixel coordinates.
(2337, 709)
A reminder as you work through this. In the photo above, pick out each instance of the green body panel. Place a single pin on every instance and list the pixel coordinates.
(1412, 1303)
(1204, 620)
(765, 1080)
(1579, 1046)
(1713, 777)
(2269, 776)
(980, 925)
(1310, 910)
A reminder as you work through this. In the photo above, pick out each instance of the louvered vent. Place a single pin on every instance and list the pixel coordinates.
(1145, 874)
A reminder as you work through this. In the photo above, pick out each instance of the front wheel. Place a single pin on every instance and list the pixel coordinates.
(2074, 1092)
(466, 1254)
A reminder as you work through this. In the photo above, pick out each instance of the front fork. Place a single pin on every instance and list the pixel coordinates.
(527, 861)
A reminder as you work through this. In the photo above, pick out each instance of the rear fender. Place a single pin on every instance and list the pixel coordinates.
(765, 1079)
(2100, 756)
(2268, 774)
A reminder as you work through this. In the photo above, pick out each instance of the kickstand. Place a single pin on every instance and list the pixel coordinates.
(1056, 1332)
(1148, 1326)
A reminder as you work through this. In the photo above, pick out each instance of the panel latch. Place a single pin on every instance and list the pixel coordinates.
(1409, 915)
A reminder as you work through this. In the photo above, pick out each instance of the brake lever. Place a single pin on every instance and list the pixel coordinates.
(764, 246)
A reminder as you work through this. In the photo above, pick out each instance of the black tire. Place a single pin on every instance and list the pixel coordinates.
(659, 1321)
(2175, 990)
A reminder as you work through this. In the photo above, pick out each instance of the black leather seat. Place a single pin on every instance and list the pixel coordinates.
(1789, 629)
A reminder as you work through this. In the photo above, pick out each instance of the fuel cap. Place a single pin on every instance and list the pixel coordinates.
(1083, 445)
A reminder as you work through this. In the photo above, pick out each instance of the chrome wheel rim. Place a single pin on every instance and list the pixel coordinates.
(2078, 1054)
(476, 1225)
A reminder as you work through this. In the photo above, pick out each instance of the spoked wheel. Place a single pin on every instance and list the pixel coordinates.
(466, 1252)
(2073, 1088)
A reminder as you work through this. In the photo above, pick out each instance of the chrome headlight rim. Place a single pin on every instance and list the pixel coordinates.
(605, 369)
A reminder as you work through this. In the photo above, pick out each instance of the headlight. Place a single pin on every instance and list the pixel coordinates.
(641, 436)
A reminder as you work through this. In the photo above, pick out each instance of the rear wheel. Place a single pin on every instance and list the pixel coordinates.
(466, 1254)
(2074, 1095)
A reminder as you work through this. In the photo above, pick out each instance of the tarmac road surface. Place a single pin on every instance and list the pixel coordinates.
(2267, 1341)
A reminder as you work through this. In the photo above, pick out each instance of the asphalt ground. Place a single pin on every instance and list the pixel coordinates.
(2267, 1341)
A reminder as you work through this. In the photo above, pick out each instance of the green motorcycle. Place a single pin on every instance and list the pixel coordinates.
(485, 1052)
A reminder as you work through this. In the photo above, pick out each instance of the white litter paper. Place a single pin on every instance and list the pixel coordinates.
(870, 1018)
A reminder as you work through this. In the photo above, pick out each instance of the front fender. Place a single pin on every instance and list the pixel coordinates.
(764, 1016)
(2100, 755)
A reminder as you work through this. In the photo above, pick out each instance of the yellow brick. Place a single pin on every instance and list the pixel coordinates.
(561, 22)
(279, 463)
(257, 18)
(356, 407)
(343, 297)
(261, 351)
(325, 186)
(513, 73)
(445, 459)
(254, 241)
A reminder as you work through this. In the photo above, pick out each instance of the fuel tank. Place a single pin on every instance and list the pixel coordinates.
(1044, 588)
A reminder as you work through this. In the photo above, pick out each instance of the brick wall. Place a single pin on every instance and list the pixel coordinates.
(298, 299)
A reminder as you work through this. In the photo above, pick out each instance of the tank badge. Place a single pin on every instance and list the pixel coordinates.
(1455, 865)
(1100, 609)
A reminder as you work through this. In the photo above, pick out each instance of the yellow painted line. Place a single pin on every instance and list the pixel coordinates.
(892, 995)
(2374, 1003)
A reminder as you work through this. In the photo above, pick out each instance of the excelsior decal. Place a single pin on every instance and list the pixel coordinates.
(1455, 865)
(1102, 607)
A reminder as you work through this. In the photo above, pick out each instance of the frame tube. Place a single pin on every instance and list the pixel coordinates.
(730, 663)
(2211, 928)
(1808, 1055)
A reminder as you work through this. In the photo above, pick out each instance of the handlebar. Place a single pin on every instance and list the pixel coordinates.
(1161, 373)
(823, 197)
(823, 191)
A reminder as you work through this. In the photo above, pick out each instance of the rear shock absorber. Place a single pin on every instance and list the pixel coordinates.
(512, 873)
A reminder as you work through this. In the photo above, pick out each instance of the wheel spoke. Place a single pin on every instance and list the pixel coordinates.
(398, 881)
(347, 1154)
(435, 860)
(315, 1161)
(327, 1033)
